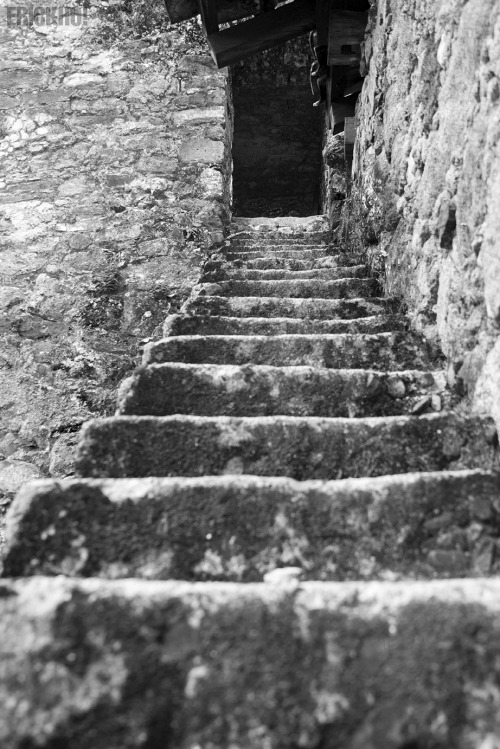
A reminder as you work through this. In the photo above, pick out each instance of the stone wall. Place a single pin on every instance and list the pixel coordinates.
(277, 135)
(115, 150)
(427, 172)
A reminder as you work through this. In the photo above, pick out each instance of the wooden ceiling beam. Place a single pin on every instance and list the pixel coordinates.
(209, 16)
(263, 32)
(227, 10)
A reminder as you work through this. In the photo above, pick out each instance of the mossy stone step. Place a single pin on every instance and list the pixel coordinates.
(381, 351)
(209, 390)
(301, 448)
(312, 309)
(287, 263)
(278, 252)
(138, 664)
(241, 527)
(344, 288)
(184, 324)
(227, 273)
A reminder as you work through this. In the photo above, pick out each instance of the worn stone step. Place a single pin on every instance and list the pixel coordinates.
(301, 448)
(209, 390)
(300, 238)
(269, 237)
(293, 253)
(274, 243)
(416, 525)
(270, 263)
(138, 664)
(396, 350)
(343, 288)
(312, 309)
(276, 274)
(184, 324)
(287, 224)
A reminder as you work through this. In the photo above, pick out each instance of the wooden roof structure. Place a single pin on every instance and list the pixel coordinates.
(237, 29)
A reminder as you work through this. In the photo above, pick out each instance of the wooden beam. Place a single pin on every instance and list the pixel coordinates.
(268, 30)
(346, 29)
(322, 18)
(340, 111)
(355, 88)
(349, 140)
(227, 10)
(209, 16)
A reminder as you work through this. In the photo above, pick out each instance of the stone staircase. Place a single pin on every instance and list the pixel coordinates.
(288, 428)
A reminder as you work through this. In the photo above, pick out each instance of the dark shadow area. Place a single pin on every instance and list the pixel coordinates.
(277, 134)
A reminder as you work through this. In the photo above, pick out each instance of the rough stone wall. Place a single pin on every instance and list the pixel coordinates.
(428, 175)
(115, 150)
(277, 135)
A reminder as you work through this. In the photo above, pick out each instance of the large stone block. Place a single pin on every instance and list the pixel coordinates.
(130, 665)
(201, 151)
(199, 116)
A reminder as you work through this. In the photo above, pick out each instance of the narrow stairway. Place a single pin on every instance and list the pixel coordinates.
(289, 428)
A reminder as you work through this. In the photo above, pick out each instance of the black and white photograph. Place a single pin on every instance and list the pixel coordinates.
(250, 374)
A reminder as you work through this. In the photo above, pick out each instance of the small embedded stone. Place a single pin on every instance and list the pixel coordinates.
(444, 520)
(373, 382)
(396, 388)
(283, 575)
(451, 562)
(483, 557)
(421, 405)
(436, 403)
(481, 508)
(211, 289)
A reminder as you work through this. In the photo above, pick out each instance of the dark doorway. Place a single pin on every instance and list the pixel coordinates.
(277, 134)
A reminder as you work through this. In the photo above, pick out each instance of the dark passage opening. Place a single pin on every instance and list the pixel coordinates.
(277, 134)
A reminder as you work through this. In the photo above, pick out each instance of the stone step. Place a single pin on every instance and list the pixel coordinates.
(287, 224)
(210, 390)
(138, 664)
(269, 237)
(312, 309)
(270, 263)
(277, 274)
(294, 253)
(412, 526)
(183, 324)
(344, 288)
(273, 243)
(301, 448)
(381, 351)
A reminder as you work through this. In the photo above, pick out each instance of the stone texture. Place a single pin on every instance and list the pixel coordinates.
(427, 171)
(208, 390)
(378, 351)
(103, 230)
(201, 150)
(240, 528)
(176, 325)
(136, 664)
(311, 309)
(302, 448)
(286, 663)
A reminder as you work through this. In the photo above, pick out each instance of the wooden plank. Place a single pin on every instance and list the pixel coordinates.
(340, 111)
(209, 17)
(355, 88)
(349, 140)
(228, 10)
(263, 32)
(322, 18)
(350, 130)
(346, 29)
